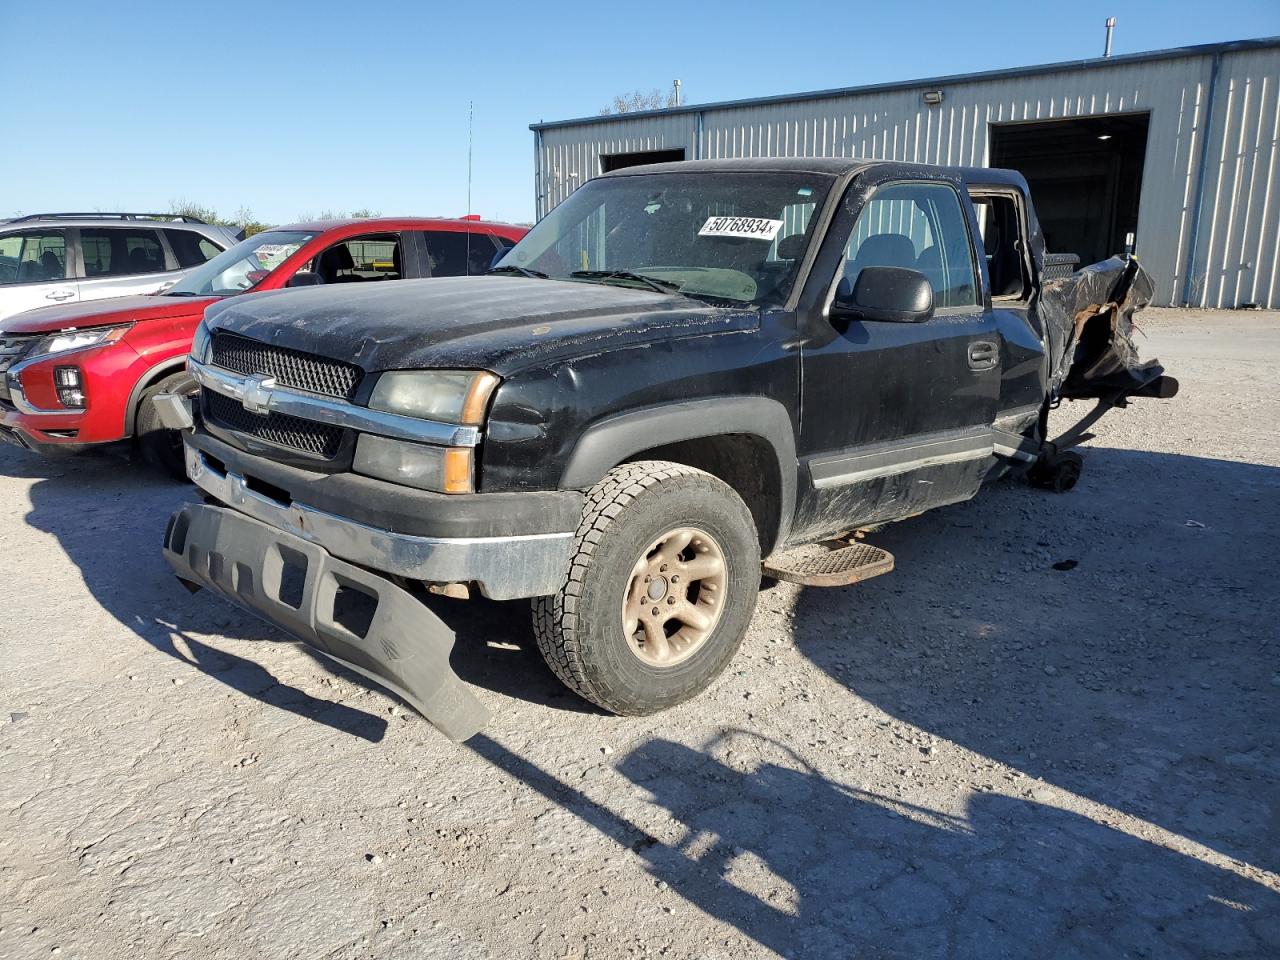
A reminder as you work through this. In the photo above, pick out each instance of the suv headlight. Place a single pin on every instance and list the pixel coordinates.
(450, 396)
(201, 344)
(69, 340)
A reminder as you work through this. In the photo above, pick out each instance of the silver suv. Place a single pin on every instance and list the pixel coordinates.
(50, 258)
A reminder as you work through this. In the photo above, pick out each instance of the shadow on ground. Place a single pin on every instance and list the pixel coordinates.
(109, 517)
(1138, 679)
(1158, 704)
(808, 867)
(1141, 678)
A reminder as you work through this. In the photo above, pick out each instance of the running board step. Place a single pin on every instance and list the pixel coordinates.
(819, 565)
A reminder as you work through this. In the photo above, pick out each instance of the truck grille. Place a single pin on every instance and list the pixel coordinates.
(291, 368)
(320, 439)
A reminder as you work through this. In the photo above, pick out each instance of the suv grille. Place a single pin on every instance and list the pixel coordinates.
(14, 346)
(291, 368)
(320, 439)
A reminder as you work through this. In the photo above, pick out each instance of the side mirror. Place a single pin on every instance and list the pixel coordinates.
(304, 279)
(497, 257)
(892, 294)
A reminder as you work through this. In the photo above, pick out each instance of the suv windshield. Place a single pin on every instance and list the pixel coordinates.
(242, 267)
(736, 237)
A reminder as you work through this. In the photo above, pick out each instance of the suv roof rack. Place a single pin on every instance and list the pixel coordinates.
(178, 217)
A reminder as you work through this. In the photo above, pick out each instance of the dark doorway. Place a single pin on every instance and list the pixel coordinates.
(617, 161)
(1085, 176)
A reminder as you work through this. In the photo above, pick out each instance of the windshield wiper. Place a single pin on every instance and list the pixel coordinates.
(181, 293)
(518, 271)
(653, 283)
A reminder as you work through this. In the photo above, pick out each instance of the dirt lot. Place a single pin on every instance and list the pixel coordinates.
(978, 755)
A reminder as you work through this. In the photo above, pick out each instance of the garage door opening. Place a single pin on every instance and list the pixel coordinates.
(616, 161)
(1085, 176)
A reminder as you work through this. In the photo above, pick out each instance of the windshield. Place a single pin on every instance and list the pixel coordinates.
(736, 237)
(242, 267)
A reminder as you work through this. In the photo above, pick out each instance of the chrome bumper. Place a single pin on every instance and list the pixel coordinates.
(504, 568)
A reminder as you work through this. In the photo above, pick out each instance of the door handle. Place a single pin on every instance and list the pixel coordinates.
(59, 295)
(983, 355)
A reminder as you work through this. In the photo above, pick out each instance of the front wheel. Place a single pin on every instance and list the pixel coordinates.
(161, 447)
(659, 592)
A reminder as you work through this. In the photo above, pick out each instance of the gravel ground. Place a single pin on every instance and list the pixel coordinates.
(978, 755)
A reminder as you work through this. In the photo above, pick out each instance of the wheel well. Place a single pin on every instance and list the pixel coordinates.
(153, 377)
(743, 461)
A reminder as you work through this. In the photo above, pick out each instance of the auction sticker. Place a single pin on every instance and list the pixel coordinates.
(751, 228)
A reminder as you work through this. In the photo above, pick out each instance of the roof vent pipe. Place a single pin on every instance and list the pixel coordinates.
(675, 93)
(1111, 26)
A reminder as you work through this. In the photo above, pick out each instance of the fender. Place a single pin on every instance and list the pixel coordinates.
(610, 441)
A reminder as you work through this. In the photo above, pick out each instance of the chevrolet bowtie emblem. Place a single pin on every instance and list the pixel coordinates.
(256, 396)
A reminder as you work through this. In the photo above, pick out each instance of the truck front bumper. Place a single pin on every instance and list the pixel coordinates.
(503, 567)
(347, 613)
(327, 579)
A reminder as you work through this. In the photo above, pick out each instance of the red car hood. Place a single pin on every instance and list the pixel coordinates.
(97, 313)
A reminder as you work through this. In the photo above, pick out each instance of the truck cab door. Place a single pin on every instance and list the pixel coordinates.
(1005, 226)
(896, 417)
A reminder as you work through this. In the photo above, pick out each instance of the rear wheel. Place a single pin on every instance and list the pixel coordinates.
(161, 447)
(660, 589)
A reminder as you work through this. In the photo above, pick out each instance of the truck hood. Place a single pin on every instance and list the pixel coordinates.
(98, 313)
(494, 323)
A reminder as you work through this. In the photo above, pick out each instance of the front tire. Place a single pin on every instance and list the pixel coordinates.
(161, 447)
(660, 589)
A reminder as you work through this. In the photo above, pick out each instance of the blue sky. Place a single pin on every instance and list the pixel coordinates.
(292, 108)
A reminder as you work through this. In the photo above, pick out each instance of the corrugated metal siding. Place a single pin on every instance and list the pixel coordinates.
(565, 163)
(1237, 243)
(1237, 250)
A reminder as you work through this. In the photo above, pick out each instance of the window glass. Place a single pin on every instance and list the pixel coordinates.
(242, 267)
(735, 236)
(191, 249)
(373, 257)
(120, 252)
(919, 226)
(34, 256)
(458, 253)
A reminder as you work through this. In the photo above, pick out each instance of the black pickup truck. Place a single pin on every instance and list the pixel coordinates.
(681, 370)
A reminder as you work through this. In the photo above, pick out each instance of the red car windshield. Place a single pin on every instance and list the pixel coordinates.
(242, 267)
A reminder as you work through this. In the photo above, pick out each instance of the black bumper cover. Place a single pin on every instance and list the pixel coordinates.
(343, 611)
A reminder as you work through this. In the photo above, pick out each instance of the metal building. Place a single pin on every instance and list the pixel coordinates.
(1177, 147)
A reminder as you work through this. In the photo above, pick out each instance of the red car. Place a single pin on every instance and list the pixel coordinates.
(84, 374)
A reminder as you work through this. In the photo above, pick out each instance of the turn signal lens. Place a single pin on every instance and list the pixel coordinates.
(457, 470)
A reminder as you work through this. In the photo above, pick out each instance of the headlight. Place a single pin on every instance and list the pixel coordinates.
(201, 344)
(450, 396)
(69, 340)
(443, 469)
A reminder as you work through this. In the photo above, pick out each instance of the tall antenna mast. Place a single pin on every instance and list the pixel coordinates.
(471, 113)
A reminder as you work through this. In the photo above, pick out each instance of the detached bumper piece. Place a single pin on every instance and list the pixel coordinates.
(345, 612)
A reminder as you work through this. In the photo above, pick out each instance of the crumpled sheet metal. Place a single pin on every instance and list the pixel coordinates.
(1089, 327)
